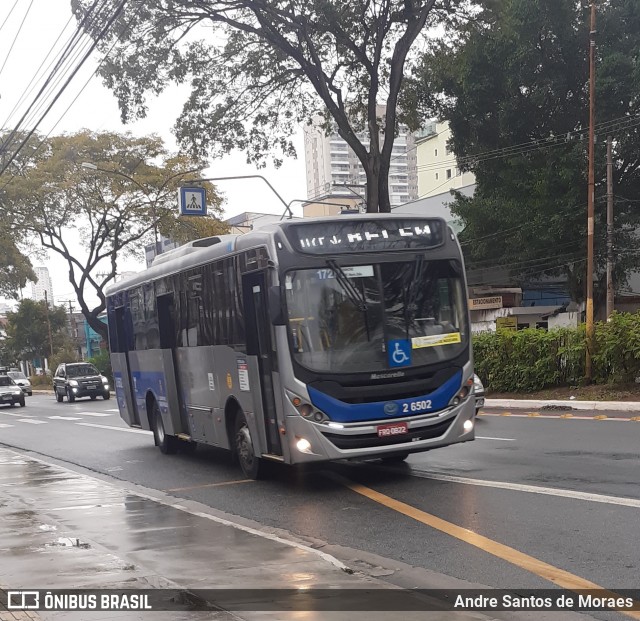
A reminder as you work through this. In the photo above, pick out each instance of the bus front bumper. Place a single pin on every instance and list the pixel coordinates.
(312, 441)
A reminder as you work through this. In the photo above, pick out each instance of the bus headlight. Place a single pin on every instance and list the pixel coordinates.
(468, 425)
(305, 409)
(463, 393)
(303, 445)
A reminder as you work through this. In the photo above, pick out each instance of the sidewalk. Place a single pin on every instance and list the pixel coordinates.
(60, 529)
(569, 404)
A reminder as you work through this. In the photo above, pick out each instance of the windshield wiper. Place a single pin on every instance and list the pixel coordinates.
(353, 295)
(412, 294)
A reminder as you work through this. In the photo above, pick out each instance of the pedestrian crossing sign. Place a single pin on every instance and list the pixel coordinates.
(192, 201)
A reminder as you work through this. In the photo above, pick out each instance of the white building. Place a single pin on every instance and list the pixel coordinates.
(43, 285)
(437, 166)
(335, 174)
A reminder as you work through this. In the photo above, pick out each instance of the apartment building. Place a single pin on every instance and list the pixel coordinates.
(437, 168)
(336, 179)
(43, 285)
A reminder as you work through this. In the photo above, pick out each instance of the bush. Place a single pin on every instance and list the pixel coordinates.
(102, 362)
(530, 360)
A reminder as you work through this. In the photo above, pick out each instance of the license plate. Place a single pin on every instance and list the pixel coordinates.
(7, 398)
(91, 386)
(392, 429)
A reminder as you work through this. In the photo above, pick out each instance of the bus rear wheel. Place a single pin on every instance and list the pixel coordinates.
(252, 466)
(168, 444)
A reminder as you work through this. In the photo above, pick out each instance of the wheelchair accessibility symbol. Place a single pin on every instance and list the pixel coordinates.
(399, 353)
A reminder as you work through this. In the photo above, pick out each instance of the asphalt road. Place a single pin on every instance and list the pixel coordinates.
(562, 491)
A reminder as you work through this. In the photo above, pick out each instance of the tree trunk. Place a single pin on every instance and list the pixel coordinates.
(373, 187)
(384, 203)
(97, 326)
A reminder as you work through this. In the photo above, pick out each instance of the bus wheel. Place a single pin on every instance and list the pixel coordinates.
(395, 459)
(251, 465)
(168, 444)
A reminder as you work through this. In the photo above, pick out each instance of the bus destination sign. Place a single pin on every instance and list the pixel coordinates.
(366, 235)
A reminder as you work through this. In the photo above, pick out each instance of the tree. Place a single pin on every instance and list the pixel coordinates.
(513, 85)
(267, 67)
(28, 330)
(110, 211)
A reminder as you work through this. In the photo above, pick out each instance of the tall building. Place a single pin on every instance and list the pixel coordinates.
(437, 166)
(44, 284)
(335, 175)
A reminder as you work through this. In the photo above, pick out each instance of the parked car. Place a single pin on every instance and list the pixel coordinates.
(79, 379)
(478, 389)
(10, 393)
(22, 380)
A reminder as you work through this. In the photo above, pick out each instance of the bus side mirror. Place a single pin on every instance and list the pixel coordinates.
(276, 314)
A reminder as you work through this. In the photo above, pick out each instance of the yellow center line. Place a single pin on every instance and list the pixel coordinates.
(549, 572)
(184, 489)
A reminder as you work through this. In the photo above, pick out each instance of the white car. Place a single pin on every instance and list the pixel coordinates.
(478, 389)
(22, 380)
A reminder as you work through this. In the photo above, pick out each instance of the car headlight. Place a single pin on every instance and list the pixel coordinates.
(73, 382)
(104, 379)
(17, 392)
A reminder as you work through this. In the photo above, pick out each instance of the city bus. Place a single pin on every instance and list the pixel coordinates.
(307, 340)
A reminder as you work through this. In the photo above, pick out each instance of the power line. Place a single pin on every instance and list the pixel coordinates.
(8, 15)
(98, 38)
(16, 37)
(61, 61)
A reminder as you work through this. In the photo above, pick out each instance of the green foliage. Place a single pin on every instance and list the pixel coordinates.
(28, 331)
(260, 69)
(110, 211)
(67, 353)
(102, 362)
(531, 360)
(518, 75)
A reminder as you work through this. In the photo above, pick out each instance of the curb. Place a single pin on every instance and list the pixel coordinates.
(620, 406)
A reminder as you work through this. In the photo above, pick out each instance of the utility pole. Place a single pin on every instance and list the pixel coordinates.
(610, 289)
(46, 303)
(591, 191)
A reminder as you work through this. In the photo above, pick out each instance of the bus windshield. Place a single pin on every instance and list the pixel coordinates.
(376, 317)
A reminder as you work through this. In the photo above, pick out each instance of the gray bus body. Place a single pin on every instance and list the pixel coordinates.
(300, 342)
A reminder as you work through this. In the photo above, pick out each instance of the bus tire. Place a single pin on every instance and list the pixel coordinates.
(168, 444)
(251, 464)
(395, 459)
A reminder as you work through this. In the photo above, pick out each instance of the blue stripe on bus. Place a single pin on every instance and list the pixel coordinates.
(143, 381)
(341, 412)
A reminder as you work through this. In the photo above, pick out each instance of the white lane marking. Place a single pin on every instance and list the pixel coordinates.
(93, 414)
(64, 418)
(253, 531)
(116, 410)
(3, 425)
(490, 438)
(16, 414)
(32, 421)
(532, 489)
(116, 428)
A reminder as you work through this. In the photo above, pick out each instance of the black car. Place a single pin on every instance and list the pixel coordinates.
(10, 393)
(79, 379)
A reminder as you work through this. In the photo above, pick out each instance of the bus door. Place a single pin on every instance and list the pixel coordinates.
(122, 371)
(258, 332)
(168, 327)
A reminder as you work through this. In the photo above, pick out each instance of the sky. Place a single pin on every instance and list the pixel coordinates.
(29, 32)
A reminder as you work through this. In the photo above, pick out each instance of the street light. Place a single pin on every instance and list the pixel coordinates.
(90, 166)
